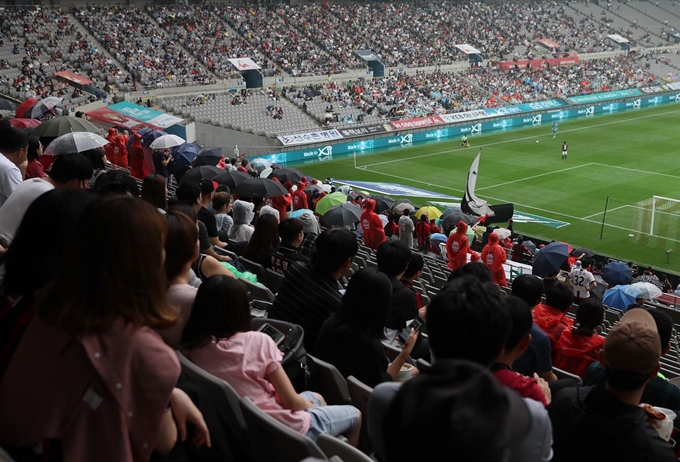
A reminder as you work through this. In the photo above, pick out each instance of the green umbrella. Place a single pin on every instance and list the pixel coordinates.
(326, 202)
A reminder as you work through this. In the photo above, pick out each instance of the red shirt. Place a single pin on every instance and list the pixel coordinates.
(525, 386)
(422, 233)
(35, 169)
(551, 321)
(574, 353)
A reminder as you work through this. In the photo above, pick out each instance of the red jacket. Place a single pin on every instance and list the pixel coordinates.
(299, 197)
(574, 353)
(137, 162)
(493, 256)
(281, 203)
(524, 386)
(374, 233)
(457, 248)
(551, 321)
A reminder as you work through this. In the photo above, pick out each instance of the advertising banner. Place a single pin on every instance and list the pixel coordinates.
(417, 123)
(596, 97)
(463, 116)
(310, 137)
(362, 131)
(550, 44)
(145, 114)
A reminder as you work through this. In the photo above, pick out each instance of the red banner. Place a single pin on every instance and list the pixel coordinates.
(549, 43)
(417, 123)
(73, 77)
(537, 63)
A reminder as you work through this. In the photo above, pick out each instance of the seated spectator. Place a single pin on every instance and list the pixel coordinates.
(181, 252)
(518, 341)
(658, 391)
(476, 269)
(287, 252)
(155, 191)
(222, 207)
(519, 250)
(264, 240)
(13, 155)
(311, 228)
(351, 339)
(393, 259)
(493, 256)
(116, 182)
(310, 291)
(268, 210)
(551, 317)
(208, 217)
(457, 248)
(242, 230)
(87, 333)
(412, 273)
(467, 324)
(218, 339)
(98, 159)
(69, 171)
(579, 347)
(372, 226)
(640, 299)
(631, 357)
(206, 265)
(29, 267)
(538, 357)
(34, 169)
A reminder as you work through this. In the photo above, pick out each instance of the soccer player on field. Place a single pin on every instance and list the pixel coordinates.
(554, 129)
(565, 147)
(464, 141)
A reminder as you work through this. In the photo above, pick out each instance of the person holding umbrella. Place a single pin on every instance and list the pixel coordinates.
(161, 159)
(281, 203)
(372, 225)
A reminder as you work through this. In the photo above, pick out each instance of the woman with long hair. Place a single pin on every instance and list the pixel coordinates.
(218, 339)
(91, 364)
(351, 339)
(155, 191)
(34, 169)
(263, 241)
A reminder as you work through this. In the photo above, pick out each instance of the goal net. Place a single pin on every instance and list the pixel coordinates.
(656, 223)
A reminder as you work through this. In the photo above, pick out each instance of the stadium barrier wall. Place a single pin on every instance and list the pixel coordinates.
(473, 128)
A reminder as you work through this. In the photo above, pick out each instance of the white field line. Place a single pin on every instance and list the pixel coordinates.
(615, 122)
(608, 210)
(533, 176)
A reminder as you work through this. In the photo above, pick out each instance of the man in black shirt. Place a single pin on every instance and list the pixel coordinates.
(287, 253)
(206, 216)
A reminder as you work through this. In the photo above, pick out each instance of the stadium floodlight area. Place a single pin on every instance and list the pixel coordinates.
(652, 222)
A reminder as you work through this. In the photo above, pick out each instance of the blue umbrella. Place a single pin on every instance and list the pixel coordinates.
(185, 154)
(297, 213)
(617, 273)
(210, 156)
(149, 137)
(550, 259)
(438, 237)
(141, 132)
(620, 297)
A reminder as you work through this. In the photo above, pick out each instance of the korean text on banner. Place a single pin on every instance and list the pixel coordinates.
(310, 137)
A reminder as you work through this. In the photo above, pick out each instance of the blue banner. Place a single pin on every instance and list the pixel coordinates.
(597, 97)
(526, 107)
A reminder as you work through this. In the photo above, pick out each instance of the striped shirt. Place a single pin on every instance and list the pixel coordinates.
(306, 298)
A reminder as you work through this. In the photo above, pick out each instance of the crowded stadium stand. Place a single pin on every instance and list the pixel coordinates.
(135, 293)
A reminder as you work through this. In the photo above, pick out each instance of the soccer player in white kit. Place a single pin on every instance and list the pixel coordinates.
(581, 281)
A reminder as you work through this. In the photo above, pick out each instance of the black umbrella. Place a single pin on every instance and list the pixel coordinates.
(260, 187)
(286, 174)
(205, 172)
(382, 203)
(63, 125)
(7, 105)
(232, 178)
(452, 219)
(310, 188)
(550, 259)
(577, 252)
(342, 215)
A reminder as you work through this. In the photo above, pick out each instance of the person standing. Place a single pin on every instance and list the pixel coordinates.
(137, 163)
(371, 224)
(565, 148)
(237, 152)
(406, 228)
(554, 129)
(493, 256)
(464, 142)
(161, 159)
(581, 281)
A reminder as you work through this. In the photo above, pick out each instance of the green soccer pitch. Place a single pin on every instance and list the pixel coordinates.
(629, 157)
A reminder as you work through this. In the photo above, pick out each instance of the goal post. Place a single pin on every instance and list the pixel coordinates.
(653, 222)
